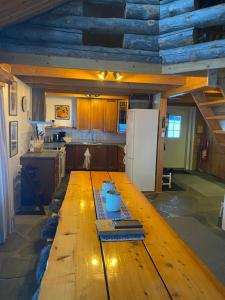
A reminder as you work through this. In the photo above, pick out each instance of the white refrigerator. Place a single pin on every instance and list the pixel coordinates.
(141, 147)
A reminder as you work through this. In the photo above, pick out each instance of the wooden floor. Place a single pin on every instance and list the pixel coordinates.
(160, 267)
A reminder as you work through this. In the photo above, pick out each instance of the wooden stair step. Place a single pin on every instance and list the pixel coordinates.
(219, 131)
(212, 103)
(216, 117)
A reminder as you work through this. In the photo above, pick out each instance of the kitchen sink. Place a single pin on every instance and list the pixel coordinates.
(91, 143)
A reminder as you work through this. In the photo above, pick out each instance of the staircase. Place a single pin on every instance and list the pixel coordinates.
(207, 104)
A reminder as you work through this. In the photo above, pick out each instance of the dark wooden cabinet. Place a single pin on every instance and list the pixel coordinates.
(112, 158)
(98, 157)
(70, 157)
(103, 157)
(79, 156)
(40, 175)
(121, 154)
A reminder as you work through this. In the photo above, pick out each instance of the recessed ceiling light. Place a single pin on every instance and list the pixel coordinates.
(117, 75)
(102, 75)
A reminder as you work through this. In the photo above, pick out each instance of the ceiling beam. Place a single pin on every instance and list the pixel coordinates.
(90, 86)
(90, 96)
(78, 63)
(27, 70)
(216, 63)
(194, 84)
(5, 75)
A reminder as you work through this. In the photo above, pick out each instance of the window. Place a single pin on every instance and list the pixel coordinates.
(174, 126)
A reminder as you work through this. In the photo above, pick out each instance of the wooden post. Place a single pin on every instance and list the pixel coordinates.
(161, 141)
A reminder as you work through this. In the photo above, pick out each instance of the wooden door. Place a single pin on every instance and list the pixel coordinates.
(110, 116)
(97, 114)
(84, 114)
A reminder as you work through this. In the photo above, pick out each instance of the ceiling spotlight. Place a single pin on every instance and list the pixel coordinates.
(102, 75)
(117, 75)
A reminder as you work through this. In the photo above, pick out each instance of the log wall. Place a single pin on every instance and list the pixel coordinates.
(166, 31)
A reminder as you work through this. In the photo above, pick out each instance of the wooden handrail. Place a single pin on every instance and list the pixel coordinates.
(217, 117)
(212, 103)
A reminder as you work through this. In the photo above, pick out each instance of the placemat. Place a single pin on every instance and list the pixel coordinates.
(103, 214)
(123, 214)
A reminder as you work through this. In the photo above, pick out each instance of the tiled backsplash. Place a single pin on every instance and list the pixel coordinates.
(89, 135)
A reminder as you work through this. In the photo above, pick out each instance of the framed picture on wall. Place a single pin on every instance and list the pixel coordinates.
(13, 138)
(13, 99)
(62, 112)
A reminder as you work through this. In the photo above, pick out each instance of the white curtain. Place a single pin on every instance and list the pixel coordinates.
(5, 222)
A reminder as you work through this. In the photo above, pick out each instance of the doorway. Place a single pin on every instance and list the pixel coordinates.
(179, 137)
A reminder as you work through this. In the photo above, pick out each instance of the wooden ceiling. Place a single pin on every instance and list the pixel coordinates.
(15, 11)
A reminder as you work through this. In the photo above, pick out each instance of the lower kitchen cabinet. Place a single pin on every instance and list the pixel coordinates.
(39, 176)
(121, 155)
(98, 157)
(70, 157)
(79, 156)
(112, 158)
(103, 157)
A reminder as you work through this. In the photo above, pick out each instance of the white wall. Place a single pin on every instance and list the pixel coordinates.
(24, 131)
(50, 110)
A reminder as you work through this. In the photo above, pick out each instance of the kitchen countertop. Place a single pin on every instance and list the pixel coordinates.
(59, 145)
(41, 155)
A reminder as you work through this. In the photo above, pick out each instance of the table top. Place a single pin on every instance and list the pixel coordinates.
(81, 267)
(41, 155)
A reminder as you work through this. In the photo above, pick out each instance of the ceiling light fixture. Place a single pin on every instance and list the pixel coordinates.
(117, 75)
(102, 75)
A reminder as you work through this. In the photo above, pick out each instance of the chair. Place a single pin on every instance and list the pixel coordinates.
(42, 263)
(55, 205)
(49, 228)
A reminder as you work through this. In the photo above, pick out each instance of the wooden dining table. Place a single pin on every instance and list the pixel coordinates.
(160, 267)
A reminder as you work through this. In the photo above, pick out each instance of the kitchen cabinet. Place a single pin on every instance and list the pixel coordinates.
(103, 157)
(97, 114)
(98, 157)
(112, 158)
(70, 157)
(40, 171)
(110, 116)
(84, 114)
(121, 155)
(79, 156)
